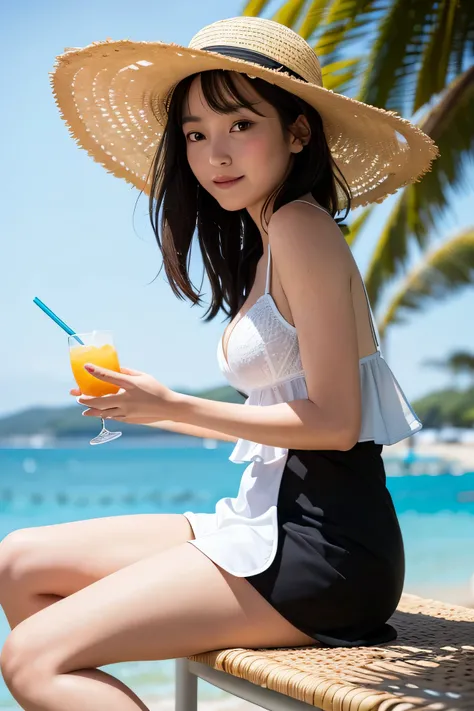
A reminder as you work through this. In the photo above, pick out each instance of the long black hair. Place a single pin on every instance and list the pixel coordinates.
(230, 241)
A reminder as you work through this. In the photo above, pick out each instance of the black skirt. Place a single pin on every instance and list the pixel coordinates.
(339, 568)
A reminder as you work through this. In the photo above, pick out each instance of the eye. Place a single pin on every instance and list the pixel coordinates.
(193, 133)
(247, 123)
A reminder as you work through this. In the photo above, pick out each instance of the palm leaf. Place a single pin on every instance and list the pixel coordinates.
(463, 36)
(419, 46)
(421, 204)
(313, 18)
(289, 12)
(444, 271)
(435, 60)
(457, 362)
(390, 78)
(344, 21)
(254, 8)
(337, 76)
(356, 225)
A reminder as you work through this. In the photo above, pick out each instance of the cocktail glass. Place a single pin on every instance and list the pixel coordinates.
(99, 350)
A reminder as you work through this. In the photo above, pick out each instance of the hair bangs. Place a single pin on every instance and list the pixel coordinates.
(222, 92)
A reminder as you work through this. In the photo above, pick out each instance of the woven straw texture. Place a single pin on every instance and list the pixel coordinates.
(430, 666)
(114, 97)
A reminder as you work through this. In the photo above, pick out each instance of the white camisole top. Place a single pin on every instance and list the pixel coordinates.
(263, 361)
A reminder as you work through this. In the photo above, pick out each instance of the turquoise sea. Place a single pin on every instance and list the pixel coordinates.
(76, 481)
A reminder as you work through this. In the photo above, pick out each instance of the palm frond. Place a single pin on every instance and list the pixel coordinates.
(420, 205)
(420, 47)
(444, 271)
(390, 78)
(254, 8)
(434, 67)
(456, 362)
(463, 36)
(356, 225)
(343, 19)
(313, 18)
(289, 12)
(337, 76)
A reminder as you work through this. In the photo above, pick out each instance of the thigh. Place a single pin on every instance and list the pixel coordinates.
(173, 604)
(62, 558)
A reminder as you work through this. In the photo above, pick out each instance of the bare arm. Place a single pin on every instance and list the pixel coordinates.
(314, 265)
(188, 429)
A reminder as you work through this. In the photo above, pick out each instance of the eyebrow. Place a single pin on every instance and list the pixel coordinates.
(198, 119)
(189, 119)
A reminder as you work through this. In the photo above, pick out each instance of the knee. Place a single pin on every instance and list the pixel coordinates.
(16, 557)
(24, 671)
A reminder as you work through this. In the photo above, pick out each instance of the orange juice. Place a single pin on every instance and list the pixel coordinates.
(105, 356)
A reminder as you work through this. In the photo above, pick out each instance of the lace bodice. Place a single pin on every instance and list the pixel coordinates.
(255, 361)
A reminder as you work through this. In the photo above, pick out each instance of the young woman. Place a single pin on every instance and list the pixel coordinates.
(250, 149)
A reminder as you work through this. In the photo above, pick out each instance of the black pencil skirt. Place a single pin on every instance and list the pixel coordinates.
(339, 568)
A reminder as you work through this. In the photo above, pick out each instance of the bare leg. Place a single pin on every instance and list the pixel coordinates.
(170, 605)
(39, 566)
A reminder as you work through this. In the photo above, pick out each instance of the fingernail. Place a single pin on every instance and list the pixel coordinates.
(89, 368)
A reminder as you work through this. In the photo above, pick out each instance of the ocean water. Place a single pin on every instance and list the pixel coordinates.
(44, 486)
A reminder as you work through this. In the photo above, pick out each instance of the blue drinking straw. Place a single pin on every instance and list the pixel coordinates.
(55, 318)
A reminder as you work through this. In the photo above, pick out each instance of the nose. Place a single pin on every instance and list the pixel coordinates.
(219, 154)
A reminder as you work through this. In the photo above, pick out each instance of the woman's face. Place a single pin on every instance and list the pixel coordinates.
(243, 145)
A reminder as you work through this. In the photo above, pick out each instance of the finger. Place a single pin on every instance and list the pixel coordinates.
(109, 376)
(86, 399)
(75, 391)
(129, 371)
(105, 402)
(113, 414)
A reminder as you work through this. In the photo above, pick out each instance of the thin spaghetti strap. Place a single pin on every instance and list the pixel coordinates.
(371, 318)
(267, 284)
(313, 204)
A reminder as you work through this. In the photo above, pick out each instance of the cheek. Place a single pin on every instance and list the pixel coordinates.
(193, 160)
(265, 156)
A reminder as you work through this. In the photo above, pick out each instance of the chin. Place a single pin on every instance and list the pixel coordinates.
(231, 203)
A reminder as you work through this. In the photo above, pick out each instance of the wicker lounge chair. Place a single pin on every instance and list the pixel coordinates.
(430, 666)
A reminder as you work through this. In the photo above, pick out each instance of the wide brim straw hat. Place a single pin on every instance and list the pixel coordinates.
(114, 95)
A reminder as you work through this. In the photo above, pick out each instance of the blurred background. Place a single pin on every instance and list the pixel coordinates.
(80, 240)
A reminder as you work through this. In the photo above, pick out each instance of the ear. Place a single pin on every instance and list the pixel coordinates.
(300, 134)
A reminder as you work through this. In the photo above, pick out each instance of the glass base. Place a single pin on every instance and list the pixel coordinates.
(105, 436)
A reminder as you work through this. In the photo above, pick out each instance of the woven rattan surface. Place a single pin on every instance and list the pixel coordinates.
(430, 665)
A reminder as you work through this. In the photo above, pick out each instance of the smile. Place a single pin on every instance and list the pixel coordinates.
(227, 183)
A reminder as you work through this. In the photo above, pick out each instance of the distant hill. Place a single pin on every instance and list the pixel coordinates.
(446, 407)
(68, 421)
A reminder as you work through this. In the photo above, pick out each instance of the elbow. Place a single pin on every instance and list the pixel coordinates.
(340, 433)
(347, 443)
(347, 435)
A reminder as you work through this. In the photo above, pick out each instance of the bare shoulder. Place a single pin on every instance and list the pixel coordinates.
(298, 230)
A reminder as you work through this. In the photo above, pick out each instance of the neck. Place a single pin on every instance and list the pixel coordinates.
(255, 212)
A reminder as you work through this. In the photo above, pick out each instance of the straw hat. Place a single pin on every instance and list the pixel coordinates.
(114, 98)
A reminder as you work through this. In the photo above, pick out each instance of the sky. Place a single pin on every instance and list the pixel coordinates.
(75, 236)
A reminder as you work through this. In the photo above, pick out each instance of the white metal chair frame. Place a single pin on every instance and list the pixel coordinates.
(188, 673)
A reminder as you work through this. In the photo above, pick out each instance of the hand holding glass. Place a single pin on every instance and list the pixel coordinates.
(98, 349)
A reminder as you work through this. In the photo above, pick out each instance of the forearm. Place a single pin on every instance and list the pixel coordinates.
(300, 424)
(188, 429)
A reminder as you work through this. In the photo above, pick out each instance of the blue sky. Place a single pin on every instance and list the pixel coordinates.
(69, 235)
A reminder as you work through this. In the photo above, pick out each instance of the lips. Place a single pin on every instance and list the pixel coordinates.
(222, 182)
